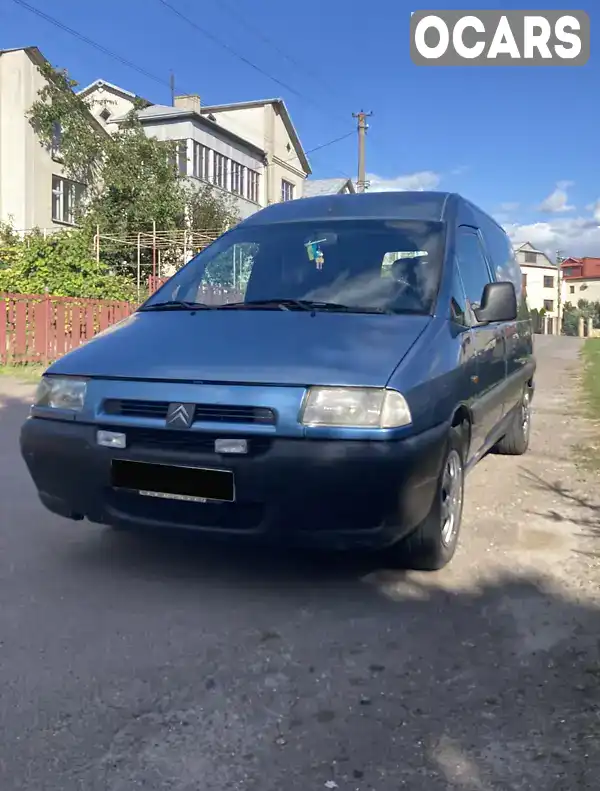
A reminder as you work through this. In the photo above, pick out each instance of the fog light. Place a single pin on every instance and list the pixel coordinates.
(111, 439)
(231, 446)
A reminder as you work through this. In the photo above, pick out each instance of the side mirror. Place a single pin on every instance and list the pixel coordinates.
(498, 303)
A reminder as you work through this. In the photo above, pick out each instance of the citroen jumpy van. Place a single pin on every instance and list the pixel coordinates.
(327, 373)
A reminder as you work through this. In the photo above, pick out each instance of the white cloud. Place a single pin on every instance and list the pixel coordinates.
(577, 236)
(595, 209)
(423, 180)
(557, 201)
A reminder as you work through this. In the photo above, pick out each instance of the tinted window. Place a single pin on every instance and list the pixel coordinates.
(378, 264)
(472, 265)
(458, 303)
(504, 262)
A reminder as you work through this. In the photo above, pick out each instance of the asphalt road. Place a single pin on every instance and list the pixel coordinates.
(155, 662)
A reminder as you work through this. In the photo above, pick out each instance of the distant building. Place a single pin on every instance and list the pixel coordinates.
(581, 279)
(250, 150)
(541, 279)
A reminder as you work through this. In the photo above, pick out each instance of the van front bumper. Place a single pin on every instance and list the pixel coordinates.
(340, 494)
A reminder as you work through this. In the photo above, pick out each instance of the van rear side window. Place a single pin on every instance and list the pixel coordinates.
(471, 263)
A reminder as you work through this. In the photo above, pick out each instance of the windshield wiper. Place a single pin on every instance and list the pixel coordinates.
(282, 304)
(301, 304)
(177, 304)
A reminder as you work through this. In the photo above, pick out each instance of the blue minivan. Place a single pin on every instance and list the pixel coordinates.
(325, 374)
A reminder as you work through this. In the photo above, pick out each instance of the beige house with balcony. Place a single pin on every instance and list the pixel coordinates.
(542, 281)
(250, 150)
(33, 189)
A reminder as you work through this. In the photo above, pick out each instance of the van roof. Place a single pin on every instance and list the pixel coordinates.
(367, 205)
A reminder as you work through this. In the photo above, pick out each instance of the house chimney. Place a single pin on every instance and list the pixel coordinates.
(190, 101)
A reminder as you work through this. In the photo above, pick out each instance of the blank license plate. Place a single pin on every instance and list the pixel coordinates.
(172, 482)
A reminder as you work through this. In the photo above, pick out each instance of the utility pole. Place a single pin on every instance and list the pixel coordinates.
(362, 127)
(172, 85)
(559, 260)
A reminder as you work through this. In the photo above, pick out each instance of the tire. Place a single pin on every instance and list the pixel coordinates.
(432, 545)
(516, 440)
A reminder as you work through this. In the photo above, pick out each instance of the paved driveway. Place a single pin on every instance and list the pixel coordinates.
(142, 662)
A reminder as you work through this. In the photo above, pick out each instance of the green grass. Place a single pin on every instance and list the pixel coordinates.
(591, 376)
(589, 455)
(24, 373)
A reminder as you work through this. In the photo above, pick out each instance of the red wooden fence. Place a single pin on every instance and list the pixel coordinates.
(35, 328)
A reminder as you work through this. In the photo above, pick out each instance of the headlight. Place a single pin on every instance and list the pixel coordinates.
(355, 407)
(61, 393)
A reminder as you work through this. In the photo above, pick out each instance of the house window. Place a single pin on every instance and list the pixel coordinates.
(548, 281)
(178, 158)
(549, 305)
(219, 170)
(287, 190)
(252, 185)
(236, 178)
(66, 196)
(242, 180)
(530, 258)
(571, 289)
(201, 161)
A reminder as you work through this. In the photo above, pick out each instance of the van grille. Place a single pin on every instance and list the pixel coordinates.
(207, 413)
(185, 441)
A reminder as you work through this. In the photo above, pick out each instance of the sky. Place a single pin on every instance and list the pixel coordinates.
(521, 142)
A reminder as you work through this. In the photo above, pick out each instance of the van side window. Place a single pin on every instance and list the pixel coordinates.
(501, 255)
(503, 261)
(472, 265)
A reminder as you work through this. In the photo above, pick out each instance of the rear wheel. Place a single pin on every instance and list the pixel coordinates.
(433, 544)
(516, 440)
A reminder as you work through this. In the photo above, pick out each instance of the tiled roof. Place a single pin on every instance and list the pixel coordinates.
(323, 187)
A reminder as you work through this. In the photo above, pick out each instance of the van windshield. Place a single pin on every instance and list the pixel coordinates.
(377, 266)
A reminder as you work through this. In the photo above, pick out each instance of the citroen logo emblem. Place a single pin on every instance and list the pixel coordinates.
(180, 415)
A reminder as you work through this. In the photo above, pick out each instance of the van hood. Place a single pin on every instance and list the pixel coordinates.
(249, 346)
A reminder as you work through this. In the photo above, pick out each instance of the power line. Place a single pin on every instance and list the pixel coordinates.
(329, 143)
(235, 10)
(91, 42)
(236, 54)
(167, 83)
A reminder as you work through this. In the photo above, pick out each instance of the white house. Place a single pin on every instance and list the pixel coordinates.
(543, 283)
(33, 189)
(107, 101)
(251, 150)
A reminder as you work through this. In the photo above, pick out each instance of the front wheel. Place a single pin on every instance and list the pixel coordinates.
(432, 545)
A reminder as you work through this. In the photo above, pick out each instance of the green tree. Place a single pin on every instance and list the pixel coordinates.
(10, 245)
(61, 265)
(131, 179)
